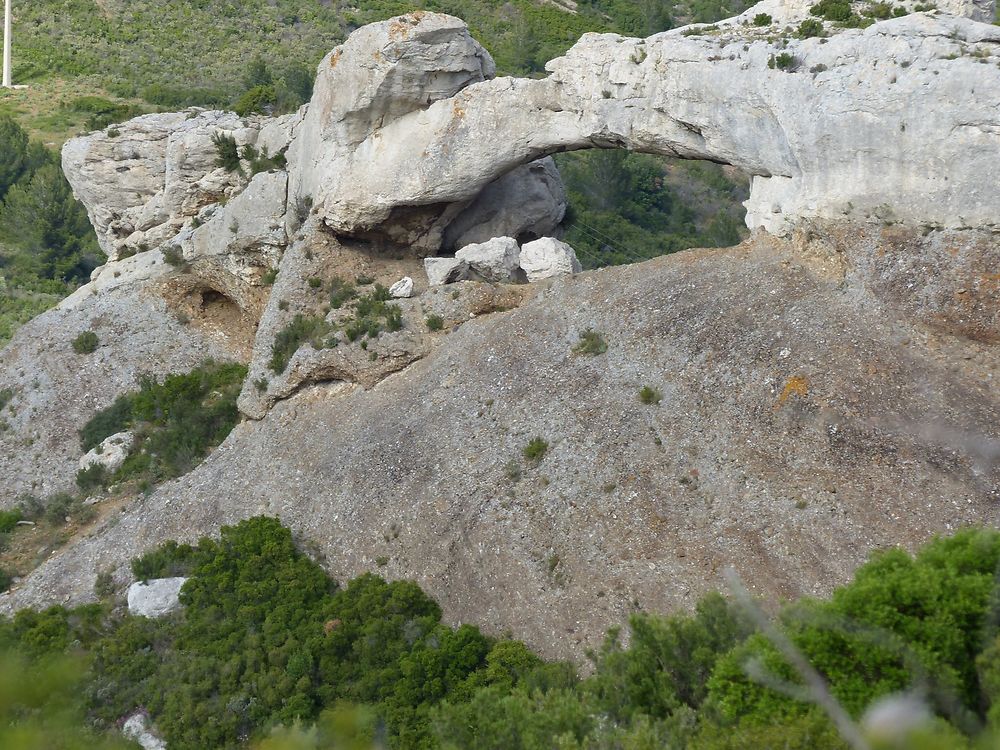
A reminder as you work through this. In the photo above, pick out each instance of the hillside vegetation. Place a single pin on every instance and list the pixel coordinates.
(266, 640)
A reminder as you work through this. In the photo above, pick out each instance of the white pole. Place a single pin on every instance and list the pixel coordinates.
(6, 44)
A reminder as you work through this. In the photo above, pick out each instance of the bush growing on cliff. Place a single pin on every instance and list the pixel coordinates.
(298, 331)
(177, 421)
(85, 343)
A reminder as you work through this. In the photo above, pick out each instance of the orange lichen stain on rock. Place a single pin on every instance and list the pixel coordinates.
(335, 57)
(400, 29)
(990, 282)
(457, 109)
(797, 385)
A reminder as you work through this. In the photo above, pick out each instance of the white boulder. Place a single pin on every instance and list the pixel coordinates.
(111, 453)
(548, 257)
(155, 598)
(495, 260)
(402, 289)
(445, 270)
(136, 727)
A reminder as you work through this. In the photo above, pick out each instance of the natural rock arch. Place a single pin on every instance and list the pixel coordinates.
(840, 131)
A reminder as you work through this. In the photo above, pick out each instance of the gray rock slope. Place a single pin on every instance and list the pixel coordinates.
(55, 390)
(820, 398)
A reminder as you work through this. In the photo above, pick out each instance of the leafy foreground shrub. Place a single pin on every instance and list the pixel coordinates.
(176, 422)
(85, 343)
(266, 645)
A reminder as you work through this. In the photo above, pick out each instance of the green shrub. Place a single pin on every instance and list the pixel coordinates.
(762, 19)
(298, 331)
(85, 343)
(833, 10)
(372, 314)
(227, 153)
(809, 28)
(650, 396)
(591, 343)
(174, 257)
(6, 581)
(535, 450)
(341, 291)
(315, 283)
(92, 477)
(434, 322)
(259, 99)
(783, 61)
(177, 421)
(6, 396)
(104, 585)
(9, 520)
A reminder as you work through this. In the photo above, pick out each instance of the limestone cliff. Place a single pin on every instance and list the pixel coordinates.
(827, 387)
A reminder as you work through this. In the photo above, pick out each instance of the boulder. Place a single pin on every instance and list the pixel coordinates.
(402, 289)
(136, 727)
(548, 257)
(494, 260)
(528, 201)
(381, 73)
(445, 270)
(111, 453)
(155, 598)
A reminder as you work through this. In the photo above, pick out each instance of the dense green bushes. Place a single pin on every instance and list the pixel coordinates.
(626, 207)
(266, 638)
(176, 422)
(47, 245)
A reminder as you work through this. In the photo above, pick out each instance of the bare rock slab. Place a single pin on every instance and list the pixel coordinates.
(155, 598)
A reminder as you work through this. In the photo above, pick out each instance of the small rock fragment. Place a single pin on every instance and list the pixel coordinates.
(402, 289)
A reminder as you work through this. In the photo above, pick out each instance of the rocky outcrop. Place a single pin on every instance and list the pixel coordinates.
(111, 453)
(800, 376)
(155, 598)
(821, 397)
(141, 181)
(850, 127)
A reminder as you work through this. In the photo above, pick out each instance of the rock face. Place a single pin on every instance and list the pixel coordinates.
(111, 453)
(821, 398)
(797, 128)
(155, 598)
(548, 257)
(529, 201)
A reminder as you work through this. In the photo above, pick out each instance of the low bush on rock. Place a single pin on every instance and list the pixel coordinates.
(591, 343)
(300, 329)
(85, 343)
(176, 421)
(535, 450)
